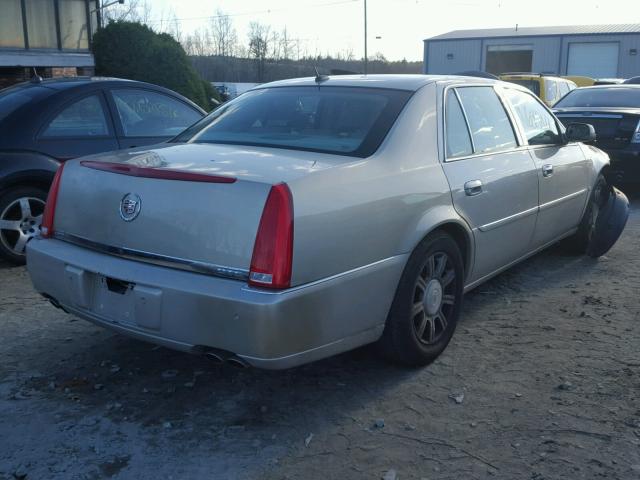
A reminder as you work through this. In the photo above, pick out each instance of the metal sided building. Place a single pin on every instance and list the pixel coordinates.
(597, 51)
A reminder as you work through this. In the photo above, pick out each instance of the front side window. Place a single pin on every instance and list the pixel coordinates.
(144, 113)
(539, 125)
(490, 126)
(84, 118)
(458, 140)
(343, 120)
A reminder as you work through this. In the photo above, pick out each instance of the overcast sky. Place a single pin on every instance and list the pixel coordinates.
(330, 26)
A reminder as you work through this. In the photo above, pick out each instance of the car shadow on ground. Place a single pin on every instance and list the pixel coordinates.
(132, 381)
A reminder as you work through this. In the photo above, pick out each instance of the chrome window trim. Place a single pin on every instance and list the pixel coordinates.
(156, 259)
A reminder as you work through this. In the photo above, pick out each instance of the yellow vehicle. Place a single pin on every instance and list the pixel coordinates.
(581, 81)
(550, 89)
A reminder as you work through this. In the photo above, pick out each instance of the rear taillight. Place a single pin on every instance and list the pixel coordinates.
(636, 134)
(46, 229)
(273, 249)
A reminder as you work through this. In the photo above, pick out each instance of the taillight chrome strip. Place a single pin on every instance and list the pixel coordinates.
(156, 259)
(158, 173)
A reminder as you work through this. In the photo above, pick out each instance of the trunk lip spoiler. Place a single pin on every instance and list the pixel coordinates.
(196, 266)
(157, 173)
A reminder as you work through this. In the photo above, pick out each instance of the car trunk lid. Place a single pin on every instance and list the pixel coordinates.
(190, 206)
(614, 127)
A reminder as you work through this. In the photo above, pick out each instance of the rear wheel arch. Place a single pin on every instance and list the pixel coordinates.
(462, 237)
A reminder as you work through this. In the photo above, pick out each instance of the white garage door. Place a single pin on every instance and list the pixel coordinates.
(596, 60)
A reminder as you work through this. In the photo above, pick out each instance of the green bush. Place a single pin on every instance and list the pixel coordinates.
(134, 51)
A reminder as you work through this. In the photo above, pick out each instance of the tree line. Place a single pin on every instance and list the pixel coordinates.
(219, 54)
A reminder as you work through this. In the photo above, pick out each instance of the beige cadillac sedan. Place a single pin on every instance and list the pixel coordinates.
(309, 217)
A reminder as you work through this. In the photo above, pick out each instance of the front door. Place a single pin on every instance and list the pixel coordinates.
(493, 181)
(563, 170)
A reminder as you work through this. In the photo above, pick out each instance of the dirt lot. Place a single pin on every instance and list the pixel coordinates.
(540, 382)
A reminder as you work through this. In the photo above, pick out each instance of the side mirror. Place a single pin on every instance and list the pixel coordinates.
(580, 132)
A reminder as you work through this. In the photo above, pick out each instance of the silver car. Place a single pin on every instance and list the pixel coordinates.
(309, 217)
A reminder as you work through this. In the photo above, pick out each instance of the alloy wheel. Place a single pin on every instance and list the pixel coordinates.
(19, 222)
(434, 298)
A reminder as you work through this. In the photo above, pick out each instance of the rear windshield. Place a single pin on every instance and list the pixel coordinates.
(601, 97)
(532, 85)
(340, 120)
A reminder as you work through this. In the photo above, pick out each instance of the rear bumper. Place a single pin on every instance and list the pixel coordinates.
(192, 312)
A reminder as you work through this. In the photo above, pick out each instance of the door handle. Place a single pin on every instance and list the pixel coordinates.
(473, 188)
(547, 170)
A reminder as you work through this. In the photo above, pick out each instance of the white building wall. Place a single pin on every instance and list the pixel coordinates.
(550, 53)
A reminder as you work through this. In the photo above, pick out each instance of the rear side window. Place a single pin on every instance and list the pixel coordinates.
(341, 120)
(458, 139)
(491, 129)
(83, 118)
(539, 125)
(144, 113)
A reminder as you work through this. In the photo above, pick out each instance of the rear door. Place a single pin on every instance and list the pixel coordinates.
(493, 181)
(82, 126)
(563, 170)
(146, 117)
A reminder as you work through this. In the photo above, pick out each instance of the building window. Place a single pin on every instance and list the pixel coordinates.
(73, 24)
(11, 34)
(46, 24)
(41, 25)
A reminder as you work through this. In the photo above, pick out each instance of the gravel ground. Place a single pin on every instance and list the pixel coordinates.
(540, 382)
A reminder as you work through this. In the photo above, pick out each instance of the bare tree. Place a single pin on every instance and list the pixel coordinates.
(259, 46)
(224, 38)
(131, 11)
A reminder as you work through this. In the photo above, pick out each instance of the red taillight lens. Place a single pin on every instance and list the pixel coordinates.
(46, 229)
(273, 250)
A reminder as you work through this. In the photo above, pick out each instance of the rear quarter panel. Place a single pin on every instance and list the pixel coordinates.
(26, 168)
(372, 209)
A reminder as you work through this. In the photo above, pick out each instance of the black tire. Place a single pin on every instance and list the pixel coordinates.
(401, 341)
(578, 243)
(11, 211)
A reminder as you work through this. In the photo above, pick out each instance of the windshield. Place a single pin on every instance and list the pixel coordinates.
(341, 120)
(601, 97)
(532, 85)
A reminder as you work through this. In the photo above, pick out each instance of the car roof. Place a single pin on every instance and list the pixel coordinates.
(397, 82)
(532, 76)
(64, 83)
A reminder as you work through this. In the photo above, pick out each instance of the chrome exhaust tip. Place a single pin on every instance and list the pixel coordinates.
(214, 357)
(237, 362)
